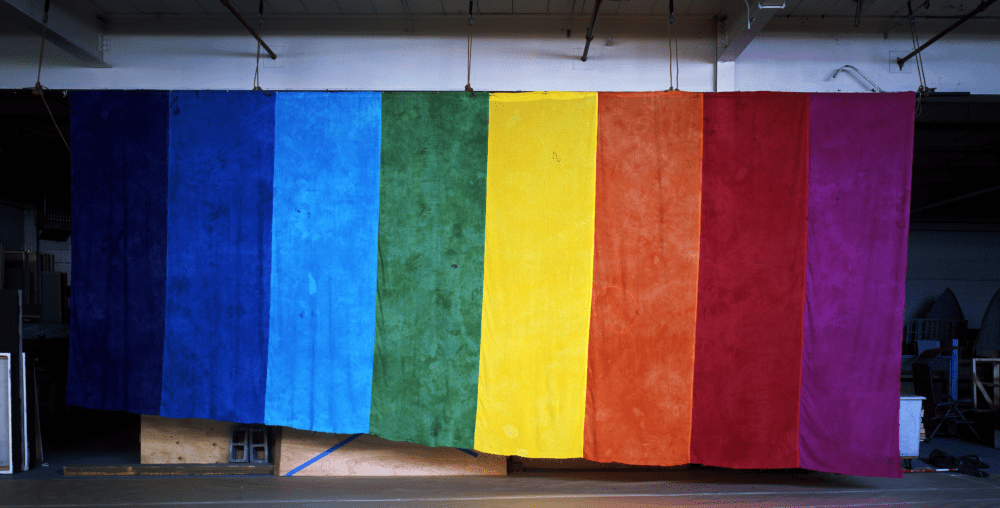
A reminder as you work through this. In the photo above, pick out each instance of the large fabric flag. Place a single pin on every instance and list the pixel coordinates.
(651, 278)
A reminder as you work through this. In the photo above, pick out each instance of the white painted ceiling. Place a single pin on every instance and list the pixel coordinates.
(110, 9)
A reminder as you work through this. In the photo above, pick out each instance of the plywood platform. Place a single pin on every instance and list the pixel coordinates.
(305, 453)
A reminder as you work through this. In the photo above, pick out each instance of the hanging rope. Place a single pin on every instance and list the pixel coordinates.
(468, 60)
(670, 46)
(675, 55)
(924, 90)
(260, 31)
(39, 89)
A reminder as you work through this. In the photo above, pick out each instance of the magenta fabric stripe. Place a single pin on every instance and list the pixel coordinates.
(860, 160)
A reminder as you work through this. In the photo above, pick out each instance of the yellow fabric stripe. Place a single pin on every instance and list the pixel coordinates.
(538, 273)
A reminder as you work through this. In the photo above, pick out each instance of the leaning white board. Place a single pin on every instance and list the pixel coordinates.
(25, 465)
(909, 425)
(6, 425)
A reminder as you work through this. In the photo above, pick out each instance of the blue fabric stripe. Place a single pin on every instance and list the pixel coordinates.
(470, 452)
(218, 255)
(320, 456)
(324, 251)
(119, 168)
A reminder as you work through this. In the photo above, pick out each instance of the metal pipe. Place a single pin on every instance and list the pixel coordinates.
(590, 31)
(855, 69)
(958, 198)
(983, 5)
(252, 31)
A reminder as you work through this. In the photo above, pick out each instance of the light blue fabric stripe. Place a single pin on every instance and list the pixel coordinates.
(324, 252)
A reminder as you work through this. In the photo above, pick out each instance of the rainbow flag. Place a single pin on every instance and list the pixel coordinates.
(654, 278)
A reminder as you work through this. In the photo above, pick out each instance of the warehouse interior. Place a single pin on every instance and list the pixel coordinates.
(805, 46)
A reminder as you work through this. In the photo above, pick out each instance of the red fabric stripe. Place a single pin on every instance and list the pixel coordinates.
(751, 281)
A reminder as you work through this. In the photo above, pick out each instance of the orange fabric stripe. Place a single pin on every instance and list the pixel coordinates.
(647, 228)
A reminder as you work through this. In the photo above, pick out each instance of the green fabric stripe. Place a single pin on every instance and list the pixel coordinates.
(432, 208)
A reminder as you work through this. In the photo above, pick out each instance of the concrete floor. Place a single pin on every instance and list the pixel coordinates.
(696, 486)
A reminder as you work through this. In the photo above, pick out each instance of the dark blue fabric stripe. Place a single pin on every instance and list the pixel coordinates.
(470, 452)
(119, 196)
(325, 251)
(218, 255)
(320, 456)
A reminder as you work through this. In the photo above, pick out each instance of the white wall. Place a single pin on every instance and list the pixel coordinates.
(796, 54)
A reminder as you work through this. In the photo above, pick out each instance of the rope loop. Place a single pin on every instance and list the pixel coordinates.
(39, 90)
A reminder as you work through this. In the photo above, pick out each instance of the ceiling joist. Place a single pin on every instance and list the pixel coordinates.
(740, 23)
(80, 37)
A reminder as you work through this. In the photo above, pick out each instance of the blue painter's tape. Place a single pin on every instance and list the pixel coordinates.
(320, 456)
(470, 452)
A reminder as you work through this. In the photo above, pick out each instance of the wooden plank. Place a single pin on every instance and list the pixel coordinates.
(52, 297)
(183, 441)
(168, 469)
(369, 455)
(276, 451)
(6, 422)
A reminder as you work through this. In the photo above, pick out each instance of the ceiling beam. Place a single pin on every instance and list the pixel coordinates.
(78, 36)
(739, 27)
